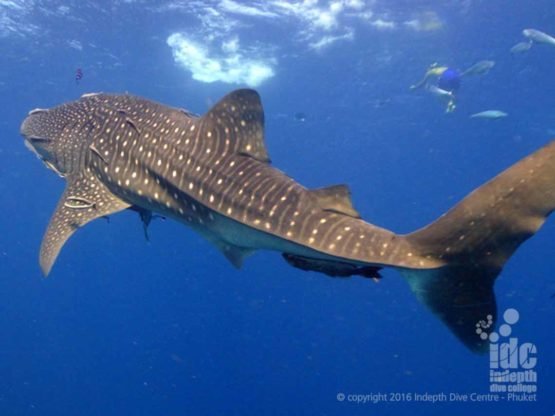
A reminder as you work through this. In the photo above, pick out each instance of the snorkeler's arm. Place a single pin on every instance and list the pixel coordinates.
(422, 82)
(433, 71)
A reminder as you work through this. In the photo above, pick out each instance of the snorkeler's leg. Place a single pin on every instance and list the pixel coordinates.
(451, 105)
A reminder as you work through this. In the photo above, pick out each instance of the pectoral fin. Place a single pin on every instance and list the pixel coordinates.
(84, 199)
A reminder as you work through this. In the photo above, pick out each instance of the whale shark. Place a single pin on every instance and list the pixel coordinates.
(213, 173)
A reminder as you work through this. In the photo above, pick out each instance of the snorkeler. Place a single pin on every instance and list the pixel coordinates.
(444, 82)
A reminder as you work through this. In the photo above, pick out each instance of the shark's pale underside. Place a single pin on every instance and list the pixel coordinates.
(213, 173)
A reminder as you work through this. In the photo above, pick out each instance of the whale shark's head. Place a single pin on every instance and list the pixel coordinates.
(40, 136)
(58, 136)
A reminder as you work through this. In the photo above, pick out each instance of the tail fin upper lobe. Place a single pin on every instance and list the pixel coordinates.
(475, 239)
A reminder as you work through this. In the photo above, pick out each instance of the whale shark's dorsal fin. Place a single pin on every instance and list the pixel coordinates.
(236, 122)
(336, 198)
(84, 199)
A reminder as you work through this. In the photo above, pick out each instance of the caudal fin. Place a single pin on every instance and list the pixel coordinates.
(475, 238)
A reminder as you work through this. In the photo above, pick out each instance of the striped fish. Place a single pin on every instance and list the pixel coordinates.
(213, 173)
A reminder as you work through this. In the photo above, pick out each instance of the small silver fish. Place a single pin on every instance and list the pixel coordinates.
(539, 37)
(521, 47)
(480, 68)
(491, 114)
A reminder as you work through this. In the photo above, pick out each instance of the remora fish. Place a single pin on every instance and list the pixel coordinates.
(491, 114)
(213, 173)
(539, 37)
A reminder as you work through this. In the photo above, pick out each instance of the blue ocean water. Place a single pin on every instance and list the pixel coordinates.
(128, 327)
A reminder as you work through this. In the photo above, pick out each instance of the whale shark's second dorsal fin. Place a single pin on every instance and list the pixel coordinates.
(336, 198)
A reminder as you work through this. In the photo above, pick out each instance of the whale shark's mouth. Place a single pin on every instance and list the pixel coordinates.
(29, 145)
